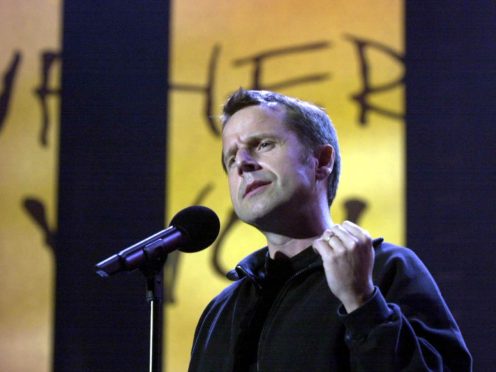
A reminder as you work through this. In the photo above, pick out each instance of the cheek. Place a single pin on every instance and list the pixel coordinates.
(298, 175)
(233, 187)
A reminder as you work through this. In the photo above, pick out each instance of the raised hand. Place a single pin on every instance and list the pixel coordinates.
(348, 259)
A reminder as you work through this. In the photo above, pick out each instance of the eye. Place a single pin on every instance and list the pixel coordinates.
(265, 145)
(229, 162)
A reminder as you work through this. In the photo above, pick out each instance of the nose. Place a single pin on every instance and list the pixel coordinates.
(245, 162)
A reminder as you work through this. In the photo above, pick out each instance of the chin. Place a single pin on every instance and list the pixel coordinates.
(264, 217)
(254, 215)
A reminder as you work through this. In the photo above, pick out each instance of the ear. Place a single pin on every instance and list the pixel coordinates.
(324, 155)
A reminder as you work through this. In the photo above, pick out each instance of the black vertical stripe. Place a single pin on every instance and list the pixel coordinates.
(111, 187)
(451, 162)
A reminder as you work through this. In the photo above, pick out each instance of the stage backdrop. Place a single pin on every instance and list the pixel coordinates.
(346, 56)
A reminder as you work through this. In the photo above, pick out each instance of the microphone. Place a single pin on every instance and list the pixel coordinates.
(191, 230)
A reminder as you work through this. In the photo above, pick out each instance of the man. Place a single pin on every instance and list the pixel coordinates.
(321, 296)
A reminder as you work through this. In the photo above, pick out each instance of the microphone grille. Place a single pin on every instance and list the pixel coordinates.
(200, 224)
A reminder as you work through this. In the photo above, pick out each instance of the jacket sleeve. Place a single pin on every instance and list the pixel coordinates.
(406, 325)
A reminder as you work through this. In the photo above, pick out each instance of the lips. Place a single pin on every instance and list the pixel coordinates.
(253, 186)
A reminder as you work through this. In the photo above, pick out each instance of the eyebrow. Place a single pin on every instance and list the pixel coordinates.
(250, 140)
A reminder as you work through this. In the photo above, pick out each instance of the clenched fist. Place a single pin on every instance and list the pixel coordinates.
(348, 258)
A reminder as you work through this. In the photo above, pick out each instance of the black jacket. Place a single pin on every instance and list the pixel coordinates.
(405, 326)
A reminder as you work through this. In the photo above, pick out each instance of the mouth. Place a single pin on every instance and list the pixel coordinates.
(252, 187)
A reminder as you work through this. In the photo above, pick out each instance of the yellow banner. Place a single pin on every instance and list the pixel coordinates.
(29, 121)
(346, 56)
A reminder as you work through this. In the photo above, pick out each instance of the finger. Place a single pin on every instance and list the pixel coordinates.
(322, 246)
(333, 240)
(345, 239)
(336, 244)
(359, 233)
(327, 235)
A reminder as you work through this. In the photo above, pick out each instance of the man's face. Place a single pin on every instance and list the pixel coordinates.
(271, 175)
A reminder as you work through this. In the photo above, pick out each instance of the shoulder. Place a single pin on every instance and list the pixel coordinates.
(399, 272)
(391, 256)
(398, 264)
(233, 294)
(222, 308)
(241, 291)
(232, 290)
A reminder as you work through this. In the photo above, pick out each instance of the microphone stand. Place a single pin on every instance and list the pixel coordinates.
(153, 272)
(192, 229)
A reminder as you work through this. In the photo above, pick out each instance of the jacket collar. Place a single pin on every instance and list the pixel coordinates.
(252, 266)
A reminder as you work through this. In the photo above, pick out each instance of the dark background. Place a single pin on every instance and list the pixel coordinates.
(113, 113)
(111, 176)
(451, 158)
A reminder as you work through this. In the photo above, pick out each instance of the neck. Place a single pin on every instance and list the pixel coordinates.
(290, 245)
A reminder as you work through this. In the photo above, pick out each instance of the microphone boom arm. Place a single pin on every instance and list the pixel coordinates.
(151, 248)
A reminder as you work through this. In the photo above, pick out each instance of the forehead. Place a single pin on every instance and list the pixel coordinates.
(253, 120)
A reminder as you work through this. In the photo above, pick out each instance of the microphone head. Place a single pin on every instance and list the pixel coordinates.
(201, 226)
